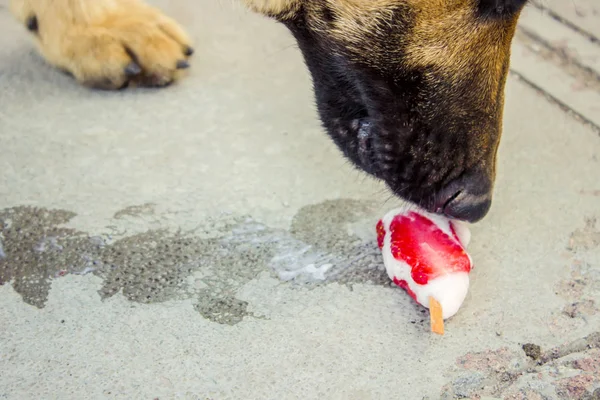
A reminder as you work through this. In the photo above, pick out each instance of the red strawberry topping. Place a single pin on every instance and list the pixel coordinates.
(404, 285)
(380, 234)
(454, 232)
(428, 250)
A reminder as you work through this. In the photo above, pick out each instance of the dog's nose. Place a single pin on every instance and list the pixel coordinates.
(468, 207)
(468, 198)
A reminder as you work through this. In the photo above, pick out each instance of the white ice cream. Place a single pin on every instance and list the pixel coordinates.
(450, 290)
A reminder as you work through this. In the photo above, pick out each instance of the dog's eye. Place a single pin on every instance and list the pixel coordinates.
(500, 8)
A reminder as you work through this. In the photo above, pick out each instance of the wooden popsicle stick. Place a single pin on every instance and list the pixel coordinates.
(435, 314)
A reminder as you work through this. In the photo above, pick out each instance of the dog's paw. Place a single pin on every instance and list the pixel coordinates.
(113, 46)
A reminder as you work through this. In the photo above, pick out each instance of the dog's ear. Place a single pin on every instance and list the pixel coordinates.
(500, 8)
(274, 8)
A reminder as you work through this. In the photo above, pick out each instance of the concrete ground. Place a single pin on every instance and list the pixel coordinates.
(149, 238)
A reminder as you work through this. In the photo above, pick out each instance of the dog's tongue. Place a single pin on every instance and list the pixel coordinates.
(429, 251)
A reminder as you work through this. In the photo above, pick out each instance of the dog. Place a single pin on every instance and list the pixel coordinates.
(411, 91)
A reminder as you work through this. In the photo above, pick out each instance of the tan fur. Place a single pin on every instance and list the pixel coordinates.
(273, 7)
(90, 38)
(442, 63)
(446, 34)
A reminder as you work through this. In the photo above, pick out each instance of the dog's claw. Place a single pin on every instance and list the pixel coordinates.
(132, 69)
(188, 51)
(32, 24)
(182, 64)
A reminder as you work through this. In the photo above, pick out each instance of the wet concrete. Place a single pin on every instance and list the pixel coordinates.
(34, 250)
(208, 264)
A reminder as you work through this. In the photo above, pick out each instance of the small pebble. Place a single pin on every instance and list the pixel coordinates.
(532, 351)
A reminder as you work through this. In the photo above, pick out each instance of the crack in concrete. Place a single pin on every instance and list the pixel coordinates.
(497, 373)
(592, 341)
(540, 6)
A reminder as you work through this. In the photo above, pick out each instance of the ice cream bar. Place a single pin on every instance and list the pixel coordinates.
(425, 254)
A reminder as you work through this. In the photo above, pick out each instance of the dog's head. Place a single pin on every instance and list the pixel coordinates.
(411, 90)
